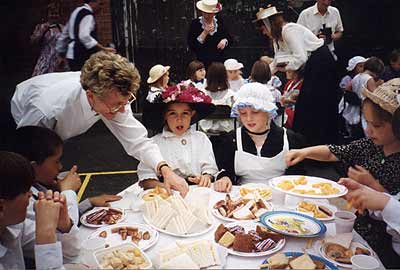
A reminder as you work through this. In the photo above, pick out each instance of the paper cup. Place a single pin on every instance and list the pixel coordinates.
(364, 262)
(344, 221)
(88, 247)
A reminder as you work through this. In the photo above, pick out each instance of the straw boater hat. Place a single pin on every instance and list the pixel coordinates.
(387, 95)
(156, 72)
(265, 13)
(255, 95)
(184, 92)
(209, 6)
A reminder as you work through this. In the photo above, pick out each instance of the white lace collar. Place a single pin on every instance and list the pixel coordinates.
(215, 22)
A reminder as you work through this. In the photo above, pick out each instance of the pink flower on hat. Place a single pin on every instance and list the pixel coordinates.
(185, 93)
(218, 7)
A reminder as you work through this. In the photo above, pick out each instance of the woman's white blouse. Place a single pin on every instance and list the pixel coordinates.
(188, 155)
(296, 45)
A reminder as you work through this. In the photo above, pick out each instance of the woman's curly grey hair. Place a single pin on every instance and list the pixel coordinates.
(104, 72)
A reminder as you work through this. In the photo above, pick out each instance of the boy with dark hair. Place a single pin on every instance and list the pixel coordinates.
(21, 237)
(44, 148)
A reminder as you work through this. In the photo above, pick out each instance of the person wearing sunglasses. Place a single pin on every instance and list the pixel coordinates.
(71, 102)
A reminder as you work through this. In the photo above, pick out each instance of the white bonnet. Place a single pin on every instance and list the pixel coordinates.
(255, 95)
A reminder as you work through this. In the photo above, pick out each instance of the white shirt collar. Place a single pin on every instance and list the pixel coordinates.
(88, 112)
(87, 6)
(168, 134)
(8, 238)
(316, 11)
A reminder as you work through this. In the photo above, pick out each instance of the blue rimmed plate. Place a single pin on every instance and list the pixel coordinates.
(327, 263)
(293, 224)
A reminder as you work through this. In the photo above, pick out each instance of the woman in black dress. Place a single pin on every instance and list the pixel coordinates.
(296, 46)
(207, 37)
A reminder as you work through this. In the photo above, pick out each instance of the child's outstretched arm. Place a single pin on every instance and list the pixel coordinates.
(320, 153)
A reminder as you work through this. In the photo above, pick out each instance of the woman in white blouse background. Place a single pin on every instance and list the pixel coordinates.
(295, 46)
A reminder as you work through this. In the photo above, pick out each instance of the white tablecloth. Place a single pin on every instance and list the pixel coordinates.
(232, 262)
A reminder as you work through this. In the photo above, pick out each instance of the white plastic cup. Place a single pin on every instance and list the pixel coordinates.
(88, 248)
(344, 221)
(278, 197)
(364, 262)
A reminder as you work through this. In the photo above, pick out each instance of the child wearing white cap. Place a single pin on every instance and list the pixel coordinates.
(255, 152)
(158, 80)
(233, 69)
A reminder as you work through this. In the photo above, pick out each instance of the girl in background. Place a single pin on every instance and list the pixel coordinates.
(196, 73)
(158, 80)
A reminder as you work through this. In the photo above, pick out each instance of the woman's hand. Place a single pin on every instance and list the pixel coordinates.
(362, 197)
(295, 156)
(361, 175)
(223, 185)
(222, 44)
(209, 28)
(173, 181)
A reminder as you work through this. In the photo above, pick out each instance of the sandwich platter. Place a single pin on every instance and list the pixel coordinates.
(315, 260)
(142, 235)
(293, 224)
(102, 216)
(308, 186)
(248, 239)
(180, 217)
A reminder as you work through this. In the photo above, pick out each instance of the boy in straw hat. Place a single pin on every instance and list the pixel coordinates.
(188, 152)
(373, 161)
(158, 80)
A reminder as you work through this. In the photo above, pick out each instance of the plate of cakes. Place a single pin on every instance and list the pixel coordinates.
(246, 207)
(248, 239)
(308, 186)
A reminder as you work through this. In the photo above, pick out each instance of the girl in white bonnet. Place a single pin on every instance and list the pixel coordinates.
(255, 152)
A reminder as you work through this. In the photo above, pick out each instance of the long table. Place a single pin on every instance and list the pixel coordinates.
(130, 200)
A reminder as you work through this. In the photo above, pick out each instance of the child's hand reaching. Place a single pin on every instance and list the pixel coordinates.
(294, 156)
(362, 197)
(203, 180)
(223, 185)
(104, 200)
(361, 175)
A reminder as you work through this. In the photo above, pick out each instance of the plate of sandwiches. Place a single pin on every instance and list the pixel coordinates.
(340, 248)
(308, 186)
(296, 260)
(293, 224)
(248, 239)
(102, 216)
(198, 254)
(175, 216)
(248, 207)
(320, 211)
(140, 234)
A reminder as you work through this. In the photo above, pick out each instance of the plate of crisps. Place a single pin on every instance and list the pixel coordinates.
(261, 189)
(308, 186)
(320, 211)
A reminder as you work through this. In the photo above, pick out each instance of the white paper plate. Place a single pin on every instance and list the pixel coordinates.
(114, 239)
(332, 208)
(209, 228)
(353, 246)
(84, 222)
(251, 225)
(217, 214)
(310, 181)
